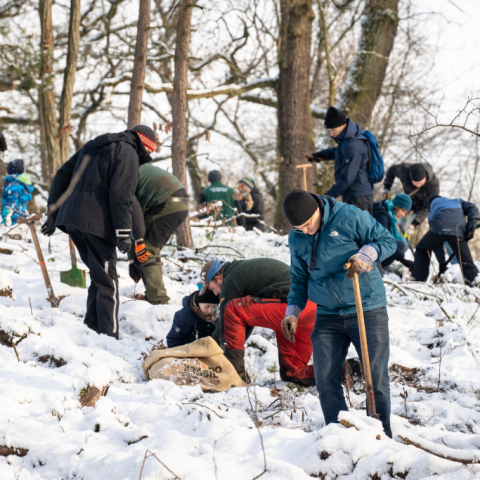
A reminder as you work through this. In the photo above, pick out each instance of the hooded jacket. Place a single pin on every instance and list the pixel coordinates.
(102, 200)
(351, 164)
(317, 260)
(384, 214)
(17, 192)
(187, 326)
(257, 209)
(447, 216)
(420, 199)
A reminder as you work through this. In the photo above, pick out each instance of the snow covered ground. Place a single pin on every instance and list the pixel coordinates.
(435, 392)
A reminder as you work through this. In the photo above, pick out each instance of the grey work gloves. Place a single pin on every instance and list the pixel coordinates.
(362, 261)
(289, 327)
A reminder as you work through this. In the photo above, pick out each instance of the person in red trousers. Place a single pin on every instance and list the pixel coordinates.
(268, 313)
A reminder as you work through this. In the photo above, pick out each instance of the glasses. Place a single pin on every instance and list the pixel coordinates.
(306, 225)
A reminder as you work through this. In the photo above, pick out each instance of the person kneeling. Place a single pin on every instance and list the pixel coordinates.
(197, 319)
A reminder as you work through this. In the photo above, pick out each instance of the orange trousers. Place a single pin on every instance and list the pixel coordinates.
(269, 313)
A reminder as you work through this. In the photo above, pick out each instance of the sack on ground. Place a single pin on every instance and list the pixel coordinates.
(198, 363)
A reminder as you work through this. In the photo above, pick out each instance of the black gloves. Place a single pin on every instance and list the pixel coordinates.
(134, 272)
(48, 228)
(442, 268)
(316, 157)
(125, 244)
(470, 229)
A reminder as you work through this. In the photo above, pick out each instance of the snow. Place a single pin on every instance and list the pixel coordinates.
(200, 435)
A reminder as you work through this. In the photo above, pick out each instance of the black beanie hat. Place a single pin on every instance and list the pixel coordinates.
(334, 118)
(417, 172)
(299, 206)
(147, 136)
(15, 167)
(214, 176)
(207, 297)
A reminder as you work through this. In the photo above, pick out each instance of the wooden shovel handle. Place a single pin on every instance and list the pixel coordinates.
(31, 218)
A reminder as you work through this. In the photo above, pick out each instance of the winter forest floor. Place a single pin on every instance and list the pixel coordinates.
(435, 385)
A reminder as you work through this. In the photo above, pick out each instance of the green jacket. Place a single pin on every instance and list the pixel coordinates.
(155, 186)
(258, 277)
(218, 191)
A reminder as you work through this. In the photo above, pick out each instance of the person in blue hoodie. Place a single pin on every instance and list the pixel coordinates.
(327, 234)
(197, 319)
(447, 224)
(17, 192)
(351, 161)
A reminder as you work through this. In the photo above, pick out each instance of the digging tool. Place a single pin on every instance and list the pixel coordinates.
(30, 222)
(73, 277)
(304, 167)
(372, 411)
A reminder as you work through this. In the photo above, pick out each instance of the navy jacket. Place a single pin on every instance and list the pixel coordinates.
(351, 165)
(447, 216)
(317, 260)
(187, 327)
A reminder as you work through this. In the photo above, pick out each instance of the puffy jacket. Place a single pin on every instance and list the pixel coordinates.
(218, 191)
(101, 202)
(447, 216)
(384, 214)
(351, 164)
(420, 199)
(187, 327)
(257, 209)
(17, 192)
(317, 260)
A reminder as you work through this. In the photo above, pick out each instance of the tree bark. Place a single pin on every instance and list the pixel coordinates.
(367, 73)
(179, 109)
(69, 79)
(139, 64)
(46, 92)
(293, 93)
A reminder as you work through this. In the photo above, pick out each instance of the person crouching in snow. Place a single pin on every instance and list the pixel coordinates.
(17, 192)
(326, 235)
(197, 319)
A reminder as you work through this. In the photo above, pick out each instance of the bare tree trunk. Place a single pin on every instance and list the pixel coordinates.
(294, 117)
(46, 93)
(367, 73)
(69, 79)
(194, 169)
(139, 64)
(179, 109)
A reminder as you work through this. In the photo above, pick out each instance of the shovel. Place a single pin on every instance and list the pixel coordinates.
(372, 411)
(73, 277)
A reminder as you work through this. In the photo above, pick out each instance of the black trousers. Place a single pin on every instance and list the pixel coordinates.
(100, 256)
(364, 202)
(433, 242)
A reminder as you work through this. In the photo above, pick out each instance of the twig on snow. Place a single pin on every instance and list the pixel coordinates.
(148, 454)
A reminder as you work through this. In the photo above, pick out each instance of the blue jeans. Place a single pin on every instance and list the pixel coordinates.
(331, 338)
(399, 253)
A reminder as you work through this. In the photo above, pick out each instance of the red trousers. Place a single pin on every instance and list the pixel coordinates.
(269, 313)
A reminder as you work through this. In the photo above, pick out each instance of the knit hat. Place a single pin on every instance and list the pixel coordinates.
(334, 118)
(15, 167)
(209, 270)
(214, 176)
(248, 181)
(402, 200)
(207, 297)
(417, 172)
(147, 136)
(299, 206)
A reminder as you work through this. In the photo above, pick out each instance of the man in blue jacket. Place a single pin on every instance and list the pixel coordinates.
(447, 224)
(327, 234)
(351, 161)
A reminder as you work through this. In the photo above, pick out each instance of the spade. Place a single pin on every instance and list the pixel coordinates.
(73, 277)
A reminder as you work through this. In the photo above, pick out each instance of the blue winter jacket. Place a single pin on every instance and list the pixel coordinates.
(447, 216)
(351, 165)
(17, 192)
(187, 327)
(317, 260)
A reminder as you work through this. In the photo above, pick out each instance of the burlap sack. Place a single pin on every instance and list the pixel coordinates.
(198, 363)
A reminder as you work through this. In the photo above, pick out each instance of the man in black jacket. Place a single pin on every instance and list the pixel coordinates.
(99, 182)
(351, 161)
(251, 203)
(419, 182)
(447, 224)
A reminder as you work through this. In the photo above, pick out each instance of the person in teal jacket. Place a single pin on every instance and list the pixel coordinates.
(326, 235)
(17, 192)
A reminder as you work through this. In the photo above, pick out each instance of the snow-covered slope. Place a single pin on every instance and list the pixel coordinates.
(435, 383)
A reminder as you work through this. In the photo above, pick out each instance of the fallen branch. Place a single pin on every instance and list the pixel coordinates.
(444, 311)
(148, 454)
(198, 250)
(6, 451)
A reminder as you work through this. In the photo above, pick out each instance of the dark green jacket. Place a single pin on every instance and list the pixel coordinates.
(218, 191)
(155, 186)
(258, 277)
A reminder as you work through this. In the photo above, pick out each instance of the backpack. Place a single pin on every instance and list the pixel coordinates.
(376, 168)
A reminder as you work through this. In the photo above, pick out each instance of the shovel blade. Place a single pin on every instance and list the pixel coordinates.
(74, 277)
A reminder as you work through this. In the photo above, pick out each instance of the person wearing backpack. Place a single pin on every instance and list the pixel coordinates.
(354, 158)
